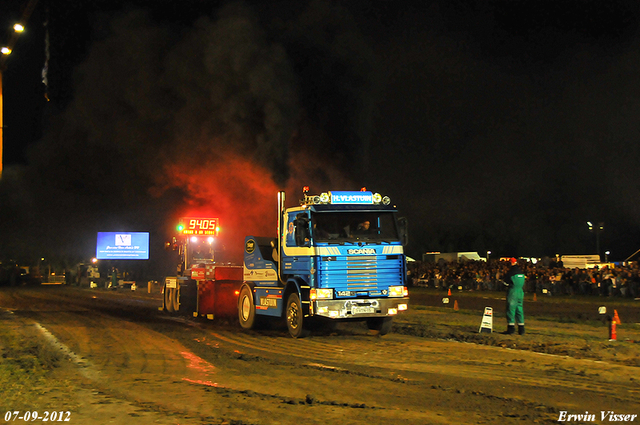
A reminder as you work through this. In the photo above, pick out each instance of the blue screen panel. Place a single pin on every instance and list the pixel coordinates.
(122, 246)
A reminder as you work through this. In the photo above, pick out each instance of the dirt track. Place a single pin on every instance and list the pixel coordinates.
(130, 363)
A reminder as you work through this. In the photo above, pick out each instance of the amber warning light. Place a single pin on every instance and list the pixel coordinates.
(198, 226)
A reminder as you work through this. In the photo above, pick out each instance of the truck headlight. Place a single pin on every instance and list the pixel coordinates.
(321, 294)
(398, 291)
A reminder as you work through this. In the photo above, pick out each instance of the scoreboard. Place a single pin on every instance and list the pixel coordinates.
(198, 226)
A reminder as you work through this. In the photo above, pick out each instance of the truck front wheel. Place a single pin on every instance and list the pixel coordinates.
(295, 317)
(381, 325)
(246, 308)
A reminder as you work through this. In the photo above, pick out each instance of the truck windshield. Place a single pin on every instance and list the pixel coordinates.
(200, 252)
(346, 226)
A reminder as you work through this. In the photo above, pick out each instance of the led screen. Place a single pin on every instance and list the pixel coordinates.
(122, 246)
(198, 226)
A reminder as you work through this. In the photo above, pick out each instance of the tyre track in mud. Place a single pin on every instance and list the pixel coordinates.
(542, 376)
(107, 343)
(386, 359)
(104, 345)
(145, 357)
(253, 348)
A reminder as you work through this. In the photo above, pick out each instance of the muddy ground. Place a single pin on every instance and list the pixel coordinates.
(119, 360)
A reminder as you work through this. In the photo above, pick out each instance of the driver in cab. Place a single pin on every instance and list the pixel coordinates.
(363, 228)
(199, 256)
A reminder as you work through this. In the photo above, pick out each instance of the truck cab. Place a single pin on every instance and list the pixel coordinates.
(202, 286)
(338, 256)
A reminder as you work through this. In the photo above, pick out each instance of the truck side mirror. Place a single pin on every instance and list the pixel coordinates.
(403, 226)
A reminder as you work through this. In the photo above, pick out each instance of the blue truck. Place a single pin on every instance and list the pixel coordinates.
(338, 256)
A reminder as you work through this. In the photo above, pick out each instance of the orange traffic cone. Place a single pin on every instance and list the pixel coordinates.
(449, 294)
(615, 317)
(535, 298)
(455, 305)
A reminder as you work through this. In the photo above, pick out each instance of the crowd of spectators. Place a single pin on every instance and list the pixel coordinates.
(546, 278)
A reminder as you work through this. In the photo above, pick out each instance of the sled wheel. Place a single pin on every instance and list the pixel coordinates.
(168, 299)
(176, 299)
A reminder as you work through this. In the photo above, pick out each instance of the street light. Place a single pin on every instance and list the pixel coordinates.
(597, 229)
(18, 28)
(6, 51)
(488, 254)
(606, 256)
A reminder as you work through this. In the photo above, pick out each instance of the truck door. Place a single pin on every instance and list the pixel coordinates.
(297, 245)
(298, 230)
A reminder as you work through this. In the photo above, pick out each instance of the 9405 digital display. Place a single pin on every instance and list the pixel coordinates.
(198, 226)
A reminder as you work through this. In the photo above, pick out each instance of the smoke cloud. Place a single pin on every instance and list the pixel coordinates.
(213, 118)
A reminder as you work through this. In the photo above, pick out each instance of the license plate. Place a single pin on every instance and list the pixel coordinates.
(362, 310)
(171, 283)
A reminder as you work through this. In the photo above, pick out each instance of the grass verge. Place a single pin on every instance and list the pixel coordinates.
(27, 368)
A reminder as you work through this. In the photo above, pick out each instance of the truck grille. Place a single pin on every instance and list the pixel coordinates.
(360, 273)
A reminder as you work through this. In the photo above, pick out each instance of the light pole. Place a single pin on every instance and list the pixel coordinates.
(606, 256)
(597, 229)
(6, 51)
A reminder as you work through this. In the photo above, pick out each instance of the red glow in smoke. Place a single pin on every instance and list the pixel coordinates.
(243, 194)
(238, 192)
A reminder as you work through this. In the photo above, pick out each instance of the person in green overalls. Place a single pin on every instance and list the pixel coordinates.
(514, 279)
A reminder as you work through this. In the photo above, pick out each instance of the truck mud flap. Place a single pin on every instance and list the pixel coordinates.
(187, 297)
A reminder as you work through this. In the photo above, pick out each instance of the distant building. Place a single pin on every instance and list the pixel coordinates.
(434, 257)
(581, 261)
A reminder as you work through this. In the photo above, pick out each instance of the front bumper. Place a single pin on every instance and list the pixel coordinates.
(359, 308)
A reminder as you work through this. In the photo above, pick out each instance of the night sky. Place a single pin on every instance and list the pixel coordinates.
(492, 125)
